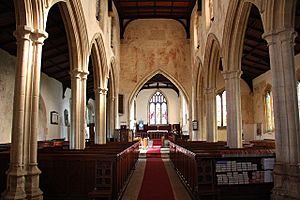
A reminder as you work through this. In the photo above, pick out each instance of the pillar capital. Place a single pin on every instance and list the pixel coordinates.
(79, 74)
(232, 74)
(23, 32)
(281, 35)
(101, 90)
(210, 90)
(28, 33)
(39, 36)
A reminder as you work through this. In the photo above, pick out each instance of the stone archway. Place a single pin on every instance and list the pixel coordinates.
(211, 65)
(100, 69)
(112, 102)
(134, 93)
(199, 107)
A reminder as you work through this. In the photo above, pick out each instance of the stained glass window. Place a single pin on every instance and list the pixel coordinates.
(221, 109)
(269, 113)
(158, 109)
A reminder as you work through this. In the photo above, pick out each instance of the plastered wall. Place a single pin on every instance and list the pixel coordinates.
(7, 78)
(51, 99)
(150, 45)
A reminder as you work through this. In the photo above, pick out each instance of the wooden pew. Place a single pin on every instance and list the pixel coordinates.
(98, 172)
(5, 147)
(4, 164)
(198, 165)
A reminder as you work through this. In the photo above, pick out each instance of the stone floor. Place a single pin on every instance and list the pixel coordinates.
(135, 183)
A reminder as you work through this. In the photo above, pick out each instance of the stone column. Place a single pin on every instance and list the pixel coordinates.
(201, 123)
(287, 171)
(233, 108)
(32, 178)
(23, 173)
(112, 117)
(78, 81)
(83, 76)
(195, 105)
(100, 122)
(211, 122)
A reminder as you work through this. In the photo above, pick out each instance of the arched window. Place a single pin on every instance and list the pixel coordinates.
(269, 113)
(221, 109)
(158, 109)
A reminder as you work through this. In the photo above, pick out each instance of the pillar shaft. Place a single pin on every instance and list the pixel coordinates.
(233, 108)
(23, 173)
(211, 124)
(100, 94)
(78, 80)
(195, 133)
(32, 177)
(286, 172)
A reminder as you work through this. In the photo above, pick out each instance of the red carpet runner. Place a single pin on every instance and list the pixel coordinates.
(156, 184)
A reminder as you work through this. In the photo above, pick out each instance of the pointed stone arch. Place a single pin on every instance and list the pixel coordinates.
(23, 11)
(211, 65)
(101, 70)
(113, 75)
(112, 103)
(235, 28)
(211, 60)
(148, 77)
(72, 15)
(199, 101)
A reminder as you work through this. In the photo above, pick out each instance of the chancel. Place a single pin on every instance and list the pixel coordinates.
(149, 99)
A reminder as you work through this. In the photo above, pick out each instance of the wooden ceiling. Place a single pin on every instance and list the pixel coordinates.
(159, 81)
(55, 56)
(255, 58)
(179, 10)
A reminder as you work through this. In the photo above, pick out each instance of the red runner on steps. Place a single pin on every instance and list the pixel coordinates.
(156, 184)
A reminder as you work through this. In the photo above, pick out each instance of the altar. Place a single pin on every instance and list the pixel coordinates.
(155, 134)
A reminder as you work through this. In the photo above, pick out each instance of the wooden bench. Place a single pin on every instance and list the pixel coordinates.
(5, 147)
(97, 172)
(4, 164)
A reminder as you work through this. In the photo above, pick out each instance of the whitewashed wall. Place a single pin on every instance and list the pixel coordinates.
(50, 100)
(7, 82)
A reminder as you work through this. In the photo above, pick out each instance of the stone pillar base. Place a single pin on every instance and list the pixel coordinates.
(287, 182)
(32, 183)
(15, 184)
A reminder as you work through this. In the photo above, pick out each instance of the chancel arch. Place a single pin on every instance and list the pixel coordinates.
(181, 95)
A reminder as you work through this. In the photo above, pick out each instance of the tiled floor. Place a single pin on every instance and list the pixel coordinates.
(133, 188)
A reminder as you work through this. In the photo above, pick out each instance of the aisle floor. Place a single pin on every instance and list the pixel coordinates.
(134, 185)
